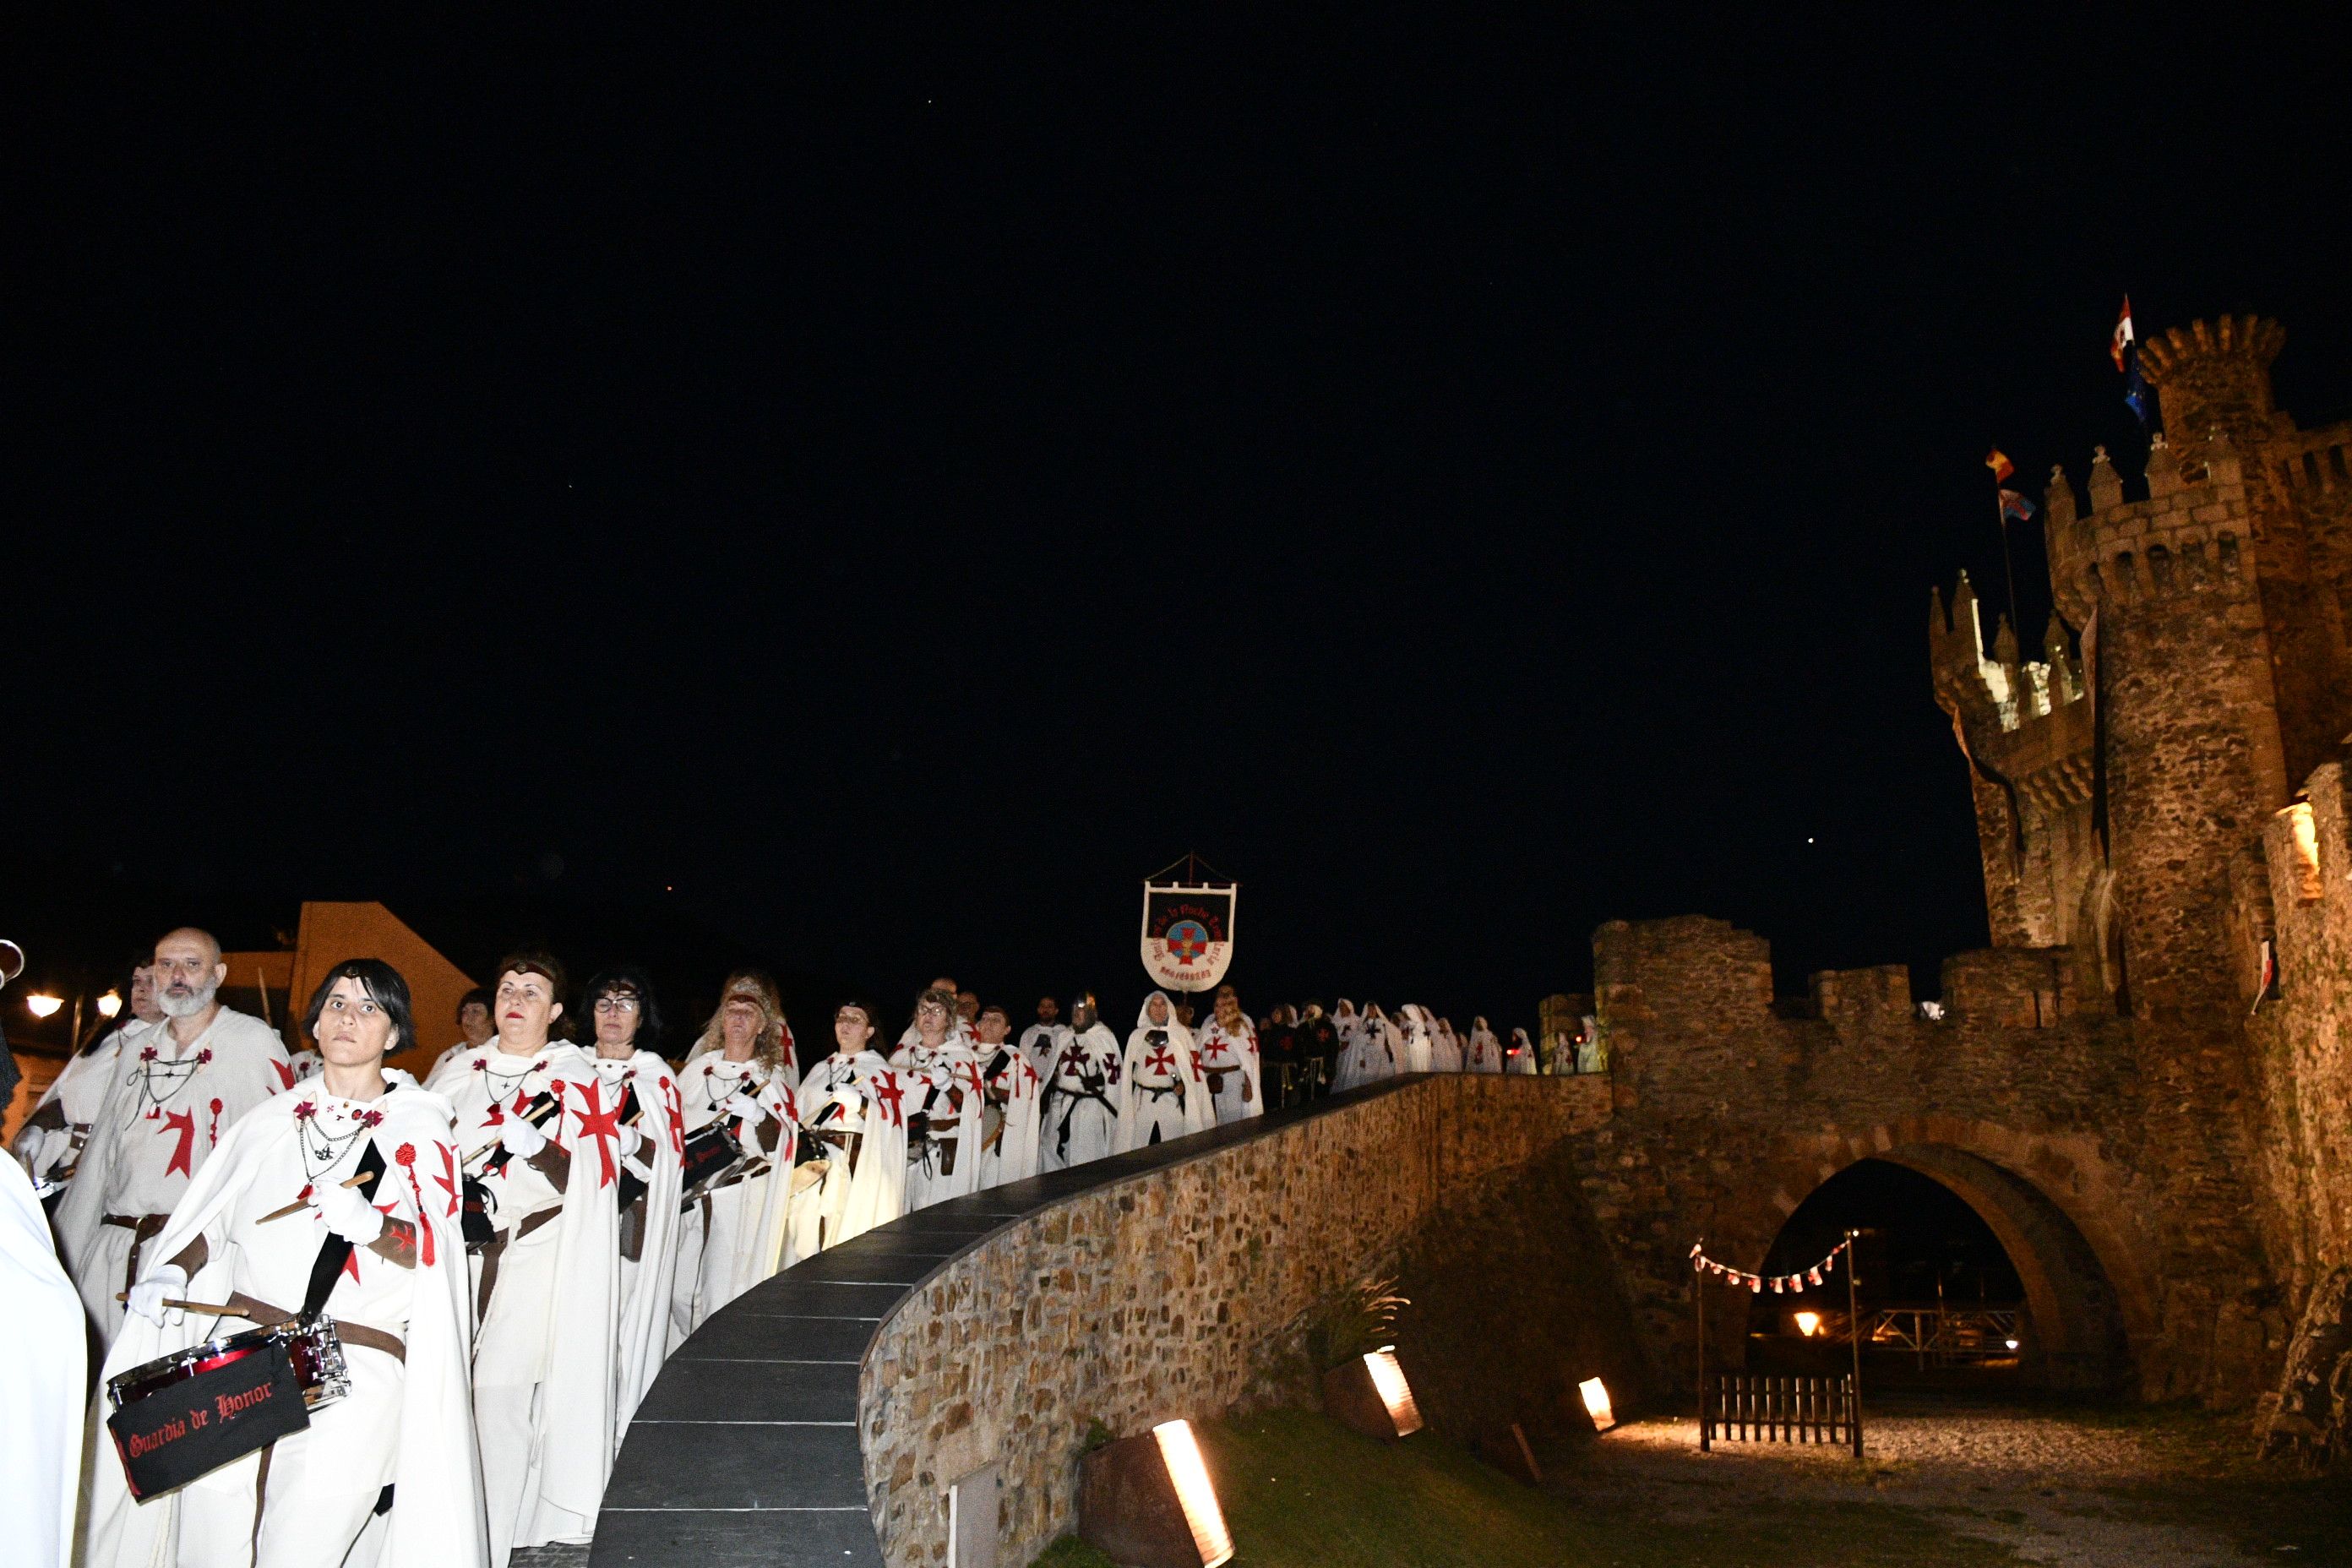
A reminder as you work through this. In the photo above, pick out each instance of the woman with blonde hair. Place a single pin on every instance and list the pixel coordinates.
(738, 1083)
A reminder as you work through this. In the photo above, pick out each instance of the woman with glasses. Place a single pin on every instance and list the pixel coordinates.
(273, 1214)
(626, 1023)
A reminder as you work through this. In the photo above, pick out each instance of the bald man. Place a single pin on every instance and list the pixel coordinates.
(176, 1091)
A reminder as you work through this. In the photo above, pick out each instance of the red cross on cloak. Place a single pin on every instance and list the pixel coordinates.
(1161, 1062)
(285, 1076)
(183, 1122)
(1074, 1059)
(888, 1093)
(603, 1125)
(674, 1106)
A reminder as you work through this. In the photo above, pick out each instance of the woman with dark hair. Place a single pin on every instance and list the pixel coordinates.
(739, 1077)
(349, 1179)
(544, 1147)
(627, 1022)
(855, 1107)
(942, 1071)
(51, 1140)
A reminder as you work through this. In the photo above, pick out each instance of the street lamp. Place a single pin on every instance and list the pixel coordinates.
(40, 1005)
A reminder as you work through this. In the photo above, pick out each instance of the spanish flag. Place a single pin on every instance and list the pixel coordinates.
(1999, 464)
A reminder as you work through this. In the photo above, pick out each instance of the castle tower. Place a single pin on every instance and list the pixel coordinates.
(2213, 384)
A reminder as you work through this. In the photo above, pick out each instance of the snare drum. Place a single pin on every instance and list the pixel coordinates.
(312, 1344)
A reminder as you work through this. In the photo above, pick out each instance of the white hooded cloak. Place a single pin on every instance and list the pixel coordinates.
(1522, 1056)
(41, 1397)
(1163, 1094)
(1080, 1120)
(646, 1279)
(735, 1233)
(1010, 1153)
(1229, 1057)
(851, 1093)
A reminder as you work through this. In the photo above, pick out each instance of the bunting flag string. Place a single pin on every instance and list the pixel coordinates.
(1779, 1284)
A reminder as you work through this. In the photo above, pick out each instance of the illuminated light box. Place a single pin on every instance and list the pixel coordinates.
(1371, 1395)
(1808, 1323)
(1147, 1501)
(1596, 1404)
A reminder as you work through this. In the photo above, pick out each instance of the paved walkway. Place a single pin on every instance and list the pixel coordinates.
(2126, 1489)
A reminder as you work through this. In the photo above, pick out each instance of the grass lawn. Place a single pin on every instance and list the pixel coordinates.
(1300, 1491)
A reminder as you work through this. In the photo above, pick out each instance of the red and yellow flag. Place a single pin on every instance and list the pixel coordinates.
(1999, 464)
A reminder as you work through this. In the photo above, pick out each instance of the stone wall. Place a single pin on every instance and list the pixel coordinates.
(2118, 1182)
(1184, 1291)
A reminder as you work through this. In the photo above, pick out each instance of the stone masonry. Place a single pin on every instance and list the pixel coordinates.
(1185, 1292)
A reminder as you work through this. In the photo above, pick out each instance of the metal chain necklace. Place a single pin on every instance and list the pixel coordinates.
(321, 1151)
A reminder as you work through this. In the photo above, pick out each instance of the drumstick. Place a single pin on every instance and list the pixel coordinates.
(537, 1118)
(209, 1308)
(304, 1203)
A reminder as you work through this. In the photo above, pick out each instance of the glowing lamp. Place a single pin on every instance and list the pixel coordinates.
(108, 1006)
(1808, 1323)
(1596, 1404)
(2011, 1343)
(41, 1006)
(1148, 1500)
(1371, 1395)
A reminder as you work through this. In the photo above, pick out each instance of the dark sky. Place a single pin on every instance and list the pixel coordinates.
(898, 485)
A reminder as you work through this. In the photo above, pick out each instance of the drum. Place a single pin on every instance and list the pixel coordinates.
(312, 1344)
(710, 1150)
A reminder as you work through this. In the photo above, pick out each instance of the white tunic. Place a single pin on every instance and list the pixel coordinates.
(164, 1113)
(1082, 1094)
(732, 1234)
(645, 1082)
(851, 1192)
(1017, 1090)
(1164, 1094)
(41, 1397)
(76, 1091)
(944, 1086)
(552, 1321)
(1229, 1057)
(1042, 1044)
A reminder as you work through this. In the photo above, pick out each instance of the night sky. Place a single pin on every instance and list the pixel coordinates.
(872, 495)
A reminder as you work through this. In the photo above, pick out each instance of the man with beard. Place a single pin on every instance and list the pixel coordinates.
(1228, 1047)
(1081, 1109)
(1164, 1095)
(1042, 1041)
(178, 1090)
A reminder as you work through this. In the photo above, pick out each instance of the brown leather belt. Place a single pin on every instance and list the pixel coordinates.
(351, 1333)
(144, 1228)
(494, 1253)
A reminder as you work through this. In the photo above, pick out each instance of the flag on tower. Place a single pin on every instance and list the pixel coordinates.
(2123, 340)
(2015, 508)
(2123, 349)
(1999, 464)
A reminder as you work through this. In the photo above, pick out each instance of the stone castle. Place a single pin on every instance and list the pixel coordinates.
(2156, 1124)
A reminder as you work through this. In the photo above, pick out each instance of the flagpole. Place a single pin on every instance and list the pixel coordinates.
(2001, 520)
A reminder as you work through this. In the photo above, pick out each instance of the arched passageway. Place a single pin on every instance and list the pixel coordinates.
(1958, 1247)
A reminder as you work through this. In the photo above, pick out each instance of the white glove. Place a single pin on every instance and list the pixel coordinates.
(147, 1297)
(521, 1138)
(348, 1215)
(743, 1106)
(632, 1138)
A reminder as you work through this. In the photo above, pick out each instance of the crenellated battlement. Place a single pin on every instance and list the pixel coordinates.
(2026, 721)
(2190, 536)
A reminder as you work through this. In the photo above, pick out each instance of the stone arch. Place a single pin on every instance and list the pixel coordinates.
(2058, 1210)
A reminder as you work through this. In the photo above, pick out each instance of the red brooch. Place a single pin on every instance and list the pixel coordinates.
(304, 1109)
(148, 1054)
(371, 1118)
(204, 1055)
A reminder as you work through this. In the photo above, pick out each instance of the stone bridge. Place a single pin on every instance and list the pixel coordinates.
(2114, 1173)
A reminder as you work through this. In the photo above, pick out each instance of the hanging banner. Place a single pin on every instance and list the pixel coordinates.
(1188, 934)
(1781, 1284)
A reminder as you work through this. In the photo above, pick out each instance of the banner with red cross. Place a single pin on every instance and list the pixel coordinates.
(1188, 934)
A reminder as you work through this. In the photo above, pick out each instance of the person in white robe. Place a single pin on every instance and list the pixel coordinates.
(1591, 1054)
(1042, 1041)
(943, 1072)
(1164, 1094)
(1080, 1114)
(1521, 1056)
(1227, 1048)
(41, 1397)
(399, 1304)
(1372, 1056)
(545, 1146)
(853, 1109)
(174, 1093)
(739, 1077)
(1413, 1030)
(913, 1031)
(621, 1005)
(1483, 1051)
(474, 1029)
(1016, 1090)
(1444, 1046)
(53, 1137)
